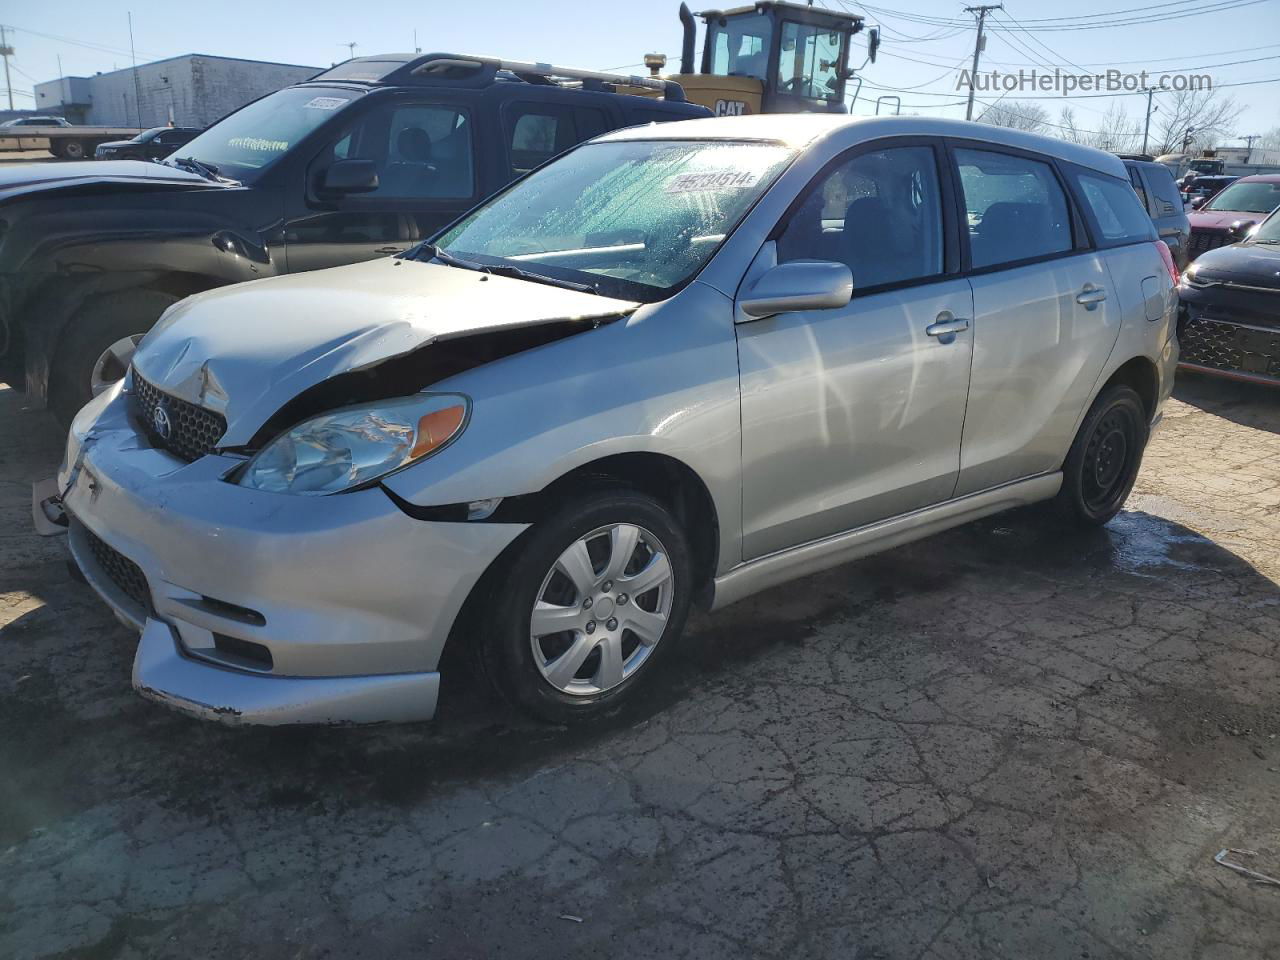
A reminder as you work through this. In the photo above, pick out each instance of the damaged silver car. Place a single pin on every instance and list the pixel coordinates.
(676, 366)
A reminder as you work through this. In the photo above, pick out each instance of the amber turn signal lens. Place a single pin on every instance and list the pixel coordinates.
(435, 428)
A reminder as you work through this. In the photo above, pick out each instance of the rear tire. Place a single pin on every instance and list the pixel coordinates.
(597, 662)
(1104, 459)
(74, 150)
(87, 336)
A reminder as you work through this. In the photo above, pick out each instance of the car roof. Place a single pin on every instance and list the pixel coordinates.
(1260, 178)
(806, 129)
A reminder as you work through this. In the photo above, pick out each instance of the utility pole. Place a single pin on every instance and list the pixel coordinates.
(6, 51)
(1146, 127)
(137, 87)
(978, 44)
(1249, 148)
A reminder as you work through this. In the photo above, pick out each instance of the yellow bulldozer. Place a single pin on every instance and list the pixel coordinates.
(773, 57)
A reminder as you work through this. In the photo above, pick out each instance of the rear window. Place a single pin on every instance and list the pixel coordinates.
(1117, 213)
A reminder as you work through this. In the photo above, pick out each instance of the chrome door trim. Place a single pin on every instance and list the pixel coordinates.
(807, 558)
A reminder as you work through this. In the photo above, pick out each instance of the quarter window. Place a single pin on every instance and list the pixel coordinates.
(1119, 218)
(1015, 207)
(879, 212)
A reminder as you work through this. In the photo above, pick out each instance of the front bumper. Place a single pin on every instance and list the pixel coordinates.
(1231, 332)
(265, 608)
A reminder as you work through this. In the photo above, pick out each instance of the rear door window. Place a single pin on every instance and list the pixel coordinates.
(536, 132)
(1117, 216)
(1136, 179)
(1015, 208)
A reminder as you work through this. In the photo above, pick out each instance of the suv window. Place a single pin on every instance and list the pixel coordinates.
(1165, 189)
(537, 132)
(879, 212)
(423, 151)
(1015, 207)
(1136, 179)
(1119, 218)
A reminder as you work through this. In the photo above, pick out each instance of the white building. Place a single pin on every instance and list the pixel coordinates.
(193, 90)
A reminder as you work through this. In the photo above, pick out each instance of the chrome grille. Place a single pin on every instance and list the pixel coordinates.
(1230, 346)
(121, 571)
(193, 430)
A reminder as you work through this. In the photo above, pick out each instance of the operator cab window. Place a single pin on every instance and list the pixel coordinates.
(1016, 209)
(880, 213)
(809, 61)
(740, 48)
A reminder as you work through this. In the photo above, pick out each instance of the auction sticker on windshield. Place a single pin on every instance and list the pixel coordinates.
(712, 180)
(325, 103)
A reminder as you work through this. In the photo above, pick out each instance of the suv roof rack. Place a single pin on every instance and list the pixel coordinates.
(464, 70)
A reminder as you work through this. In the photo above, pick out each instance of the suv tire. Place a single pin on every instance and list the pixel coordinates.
(1104, 459)
(598, 662)
(88, 334)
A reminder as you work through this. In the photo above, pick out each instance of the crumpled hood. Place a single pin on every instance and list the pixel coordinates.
(1221, 219)
(21, 178)
(1248, 264)
(248, 349)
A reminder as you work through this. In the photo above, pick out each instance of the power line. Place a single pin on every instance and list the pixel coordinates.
(1214, 6)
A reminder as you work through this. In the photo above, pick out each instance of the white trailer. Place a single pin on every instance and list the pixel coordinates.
(73, 143)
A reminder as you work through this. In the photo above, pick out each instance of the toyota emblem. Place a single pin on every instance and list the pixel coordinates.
(160, 421)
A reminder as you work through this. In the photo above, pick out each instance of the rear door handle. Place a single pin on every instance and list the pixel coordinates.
(946, 329)
(1091, 295)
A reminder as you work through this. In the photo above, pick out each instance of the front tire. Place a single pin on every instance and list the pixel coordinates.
(588, 608)
(87, 343)
(1104, 459)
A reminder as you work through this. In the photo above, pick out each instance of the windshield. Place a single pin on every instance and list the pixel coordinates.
(809, 65)
(632, 219)
(1260, 196)
(1268, 231)
(251, 139)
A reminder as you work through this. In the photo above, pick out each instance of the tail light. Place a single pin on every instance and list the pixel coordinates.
(1167, 256)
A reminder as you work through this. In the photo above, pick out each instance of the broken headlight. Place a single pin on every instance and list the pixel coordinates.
(356, 445)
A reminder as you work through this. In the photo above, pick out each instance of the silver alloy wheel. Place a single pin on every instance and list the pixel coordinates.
(113, 364)
(601, 610)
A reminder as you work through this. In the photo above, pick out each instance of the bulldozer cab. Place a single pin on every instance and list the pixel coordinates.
(773, 57)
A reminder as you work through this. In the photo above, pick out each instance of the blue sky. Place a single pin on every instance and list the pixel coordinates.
(93, 36)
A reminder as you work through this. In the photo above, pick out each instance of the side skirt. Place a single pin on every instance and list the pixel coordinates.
(775, 568)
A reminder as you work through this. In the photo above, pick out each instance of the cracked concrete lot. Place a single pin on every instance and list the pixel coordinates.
(1004, 742)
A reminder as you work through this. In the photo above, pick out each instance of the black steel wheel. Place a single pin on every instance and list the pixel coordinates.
(1105, 457)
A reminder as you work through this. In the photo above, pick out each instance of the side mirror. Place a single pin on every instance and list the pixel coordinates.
(350, 176)
(799, 285)
(1197, 202)
(873, 43)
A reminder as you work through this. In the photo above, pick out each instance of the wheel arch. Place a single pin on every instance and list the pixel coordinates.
(1139, 373)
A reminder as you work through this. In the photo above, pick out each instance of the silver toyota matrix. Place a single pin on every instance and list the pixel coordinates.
(678, 365)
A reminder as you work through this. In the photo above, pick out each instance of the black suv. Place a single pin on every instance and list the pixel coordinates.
(1158, 192)
(362, 161)
(154, 144)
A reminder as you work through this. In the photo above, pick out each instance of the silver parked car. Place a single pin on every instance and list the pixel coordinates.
(679, 365)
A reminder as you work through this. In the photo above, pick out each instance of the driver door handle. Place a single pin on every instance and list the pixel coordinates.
(1091, 295)
(946, 328)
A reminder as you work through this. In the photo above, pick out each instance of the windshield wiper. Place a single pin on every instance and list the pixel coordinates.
(434, 252)
(191, 164)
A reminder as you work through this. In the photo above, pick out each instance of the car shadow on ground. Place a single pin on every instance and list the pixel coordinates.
(475, 736)
(1248, 404)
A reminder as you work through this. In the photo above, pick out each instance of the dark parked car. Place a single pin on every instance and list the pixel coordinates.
(1229, 320)
(1158, 192)
(1198, 190)
(154, 144)
(1230, 215)
(362, 161)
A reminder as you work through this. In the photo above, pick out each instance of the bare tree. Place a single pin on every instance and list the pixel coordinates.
(1117, 132)
(1269, 140)
(1190, 120)
(1068, 129)
(1017, 115)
